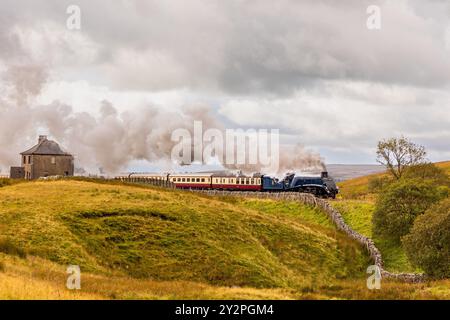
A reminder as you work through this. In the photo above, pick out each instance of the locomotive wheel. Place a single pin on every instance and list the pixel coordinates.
(320, 193)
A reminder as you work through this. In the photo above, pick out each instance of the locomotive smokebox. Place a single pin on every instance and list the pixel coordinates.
(324, 174)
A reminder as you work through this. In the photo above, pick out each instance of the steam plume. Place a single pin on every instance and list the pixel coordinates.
(110, 140)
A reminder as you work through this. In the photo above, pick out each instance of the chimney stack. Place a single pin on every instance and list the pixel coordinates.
(42, 138)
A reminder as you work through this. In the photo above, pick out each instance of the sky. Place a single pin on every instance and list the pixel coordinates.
(312, 69)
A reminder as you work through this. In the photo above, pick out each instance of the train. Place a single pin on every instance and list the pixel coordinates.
(320, 185)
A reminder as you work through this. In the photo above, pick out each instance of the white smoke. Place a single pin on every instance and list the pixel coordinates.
(110, 140)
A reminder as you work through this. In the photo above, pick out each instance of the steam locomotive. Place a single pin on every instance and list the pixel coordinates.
(321, 185)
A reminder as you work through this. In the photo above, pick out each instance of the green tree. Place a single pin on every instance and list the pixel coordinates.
(400, 203)
(398, 153)
(428, 244)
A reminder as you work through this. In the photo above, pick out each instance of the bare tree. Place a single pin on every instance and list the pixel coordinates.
(398, 153)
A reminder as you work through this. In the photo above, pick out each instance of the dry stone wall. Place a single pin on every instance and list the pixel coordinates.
(335, 217)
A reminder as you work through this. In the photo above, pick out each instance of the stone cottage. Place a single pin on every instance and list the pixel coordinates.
(43, 160)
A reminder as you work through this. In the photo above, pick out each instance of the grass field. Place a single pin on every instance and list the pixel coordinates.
(358, 188)
(358, 215)
(135, 242)
(357, 204)
(166, 235)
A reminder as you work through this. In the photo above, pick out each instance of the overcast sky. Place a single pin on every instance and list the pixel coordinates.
(310, 68)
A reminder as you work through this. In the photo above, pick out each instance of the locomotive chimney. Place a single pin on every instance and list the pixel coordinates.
(324, 174)
(42, 138)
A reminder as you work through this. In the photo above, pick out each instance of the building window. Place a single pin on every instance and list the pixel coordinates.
(53, 160)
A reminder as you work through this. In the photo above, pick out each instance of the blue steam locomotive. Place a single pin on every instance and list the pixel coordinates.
(320, 185)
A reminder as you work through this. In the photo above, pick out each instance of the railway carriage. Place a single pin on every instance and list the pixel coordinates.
(236, 183)
(191, 180)
(319, 185)
(143, 177)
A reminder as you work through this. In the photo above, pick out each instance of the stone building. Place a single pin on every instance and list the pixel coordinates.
(43, 160)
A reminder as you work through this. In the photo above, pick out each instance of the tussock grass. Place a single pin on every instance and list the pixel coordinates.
(4, 182)
(136, 242)
(36, 278)
(171, 235)
(8, 247)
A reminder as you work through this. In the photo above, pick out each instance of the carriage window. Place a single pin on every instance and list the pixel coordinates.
(183, 180)
(198, 179)
(188, 179)
(203, 179)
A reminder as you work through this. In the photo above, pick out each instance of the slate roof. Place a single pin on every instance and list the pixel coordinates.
(46, 147)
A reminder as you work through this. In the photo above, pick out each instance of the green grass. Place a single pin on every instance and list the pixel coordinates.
(357, 204)
(172, 235)
(137, 242)
(358, 215)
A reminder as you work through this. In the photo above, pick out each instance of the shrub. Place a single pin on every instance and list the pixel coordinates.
(376, 184)
(428, 244)
(428, 171)
(4, 182)
(399, 205)
(8, 247)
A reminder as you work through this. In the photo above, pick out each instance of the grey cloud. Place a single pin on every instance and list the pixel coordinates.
(311, 68)
(242, 47)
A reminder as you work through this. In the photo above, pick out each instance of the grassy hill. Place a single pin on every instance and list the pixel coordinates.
(358, 188)
(135, 242)
(357, 204)
(167, 235)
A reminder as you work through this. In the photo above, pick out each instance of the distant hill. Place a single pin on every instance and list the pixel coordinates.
(341, 172)
(444, 165)
(358, 187)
